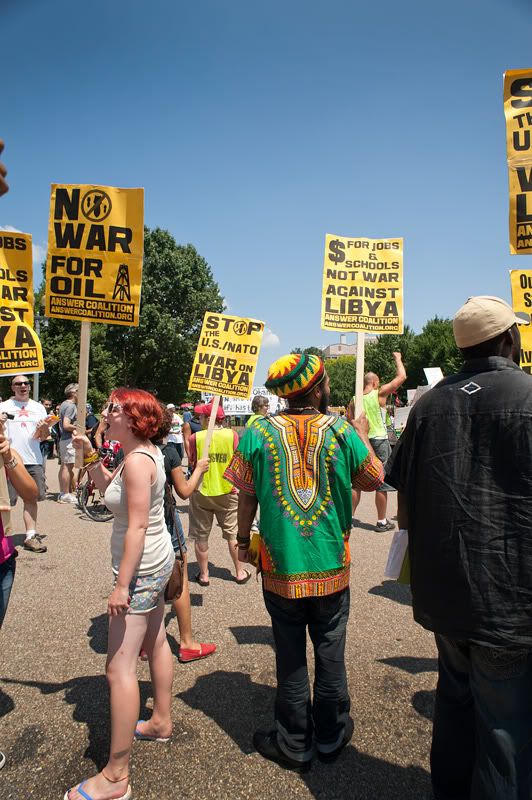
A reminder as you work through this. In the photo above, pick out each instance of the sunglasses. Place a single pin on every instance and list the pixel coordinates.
(110, 407)
(21, 383)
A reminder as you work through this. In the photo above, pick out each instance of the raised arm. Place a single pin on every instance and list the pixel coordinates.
(400, 377)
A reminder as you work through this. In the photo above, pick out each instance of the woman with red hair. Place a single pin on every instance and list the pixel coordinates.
(142, 561)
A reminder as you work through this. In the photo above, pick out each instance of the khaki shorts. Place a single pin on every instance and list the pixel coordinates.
(67, 452)
(202, 511)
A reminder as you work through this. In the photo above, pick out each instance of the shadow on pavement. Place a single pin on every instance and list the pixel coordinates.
(215, 695)
(6, 704)
(392, 590)
(354, 774)
(362, 777)
(411, 664)
(214, 572)
(18, 539)
(90, 698)
(252, 634)
(364, 526)
(97, 634)
(423, 702)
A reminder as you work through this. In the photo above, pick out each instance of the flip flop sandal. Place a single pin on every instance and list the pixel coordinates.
(201, 583)
(243, 580)
(144, 737)
(79, 787)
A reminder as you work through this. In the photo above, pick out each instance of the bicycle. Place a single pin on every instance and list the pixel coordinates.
(90, 498)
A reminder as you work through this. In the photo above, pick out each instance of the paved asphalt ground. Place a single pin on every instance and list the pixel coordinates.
(54, 715)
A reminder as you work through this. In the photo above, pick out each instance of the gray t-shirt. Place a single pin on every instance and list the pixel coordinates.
(69, 410)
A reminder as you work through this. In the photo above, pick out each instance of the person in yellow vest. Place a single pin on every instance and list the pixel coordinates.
(374, 404)
(216, 497)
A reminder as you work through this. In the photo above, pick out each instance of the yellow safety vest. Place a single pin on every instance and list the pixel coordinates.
(220, 455)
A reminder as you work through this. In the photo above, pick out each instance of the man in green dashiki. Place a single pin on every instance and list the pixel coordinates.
(300, 466)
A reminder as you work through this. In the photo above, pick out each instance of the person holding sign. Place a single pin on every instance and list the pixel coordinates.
(374, 404)
(300, 466)
(216, 496)
(142, 562)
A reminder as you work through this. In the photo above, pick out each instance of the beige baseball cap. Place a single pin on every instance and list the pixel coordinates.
(482, 318)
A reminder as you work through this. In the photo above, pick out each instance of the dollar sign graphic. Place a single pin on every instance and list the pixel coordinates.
(336, 254)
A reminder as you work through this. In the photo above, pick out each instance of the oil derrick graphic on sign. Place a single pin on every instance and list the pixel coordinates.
(122, 289)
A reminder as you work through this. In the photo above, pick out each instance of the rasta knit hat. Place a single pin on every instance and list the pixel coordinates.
(294, 375)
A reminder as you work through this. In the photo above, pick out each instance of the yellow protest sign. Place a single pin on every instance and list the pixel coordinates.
(362, 285)
(95, 249)
(16, 274)
(227, 354)
(518, 114)
(521, 283)
(20, 348)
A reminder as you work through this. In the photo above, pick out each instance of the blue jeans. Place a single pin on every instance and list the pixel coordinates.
(7, 576)
(482, 736)
(297, 719)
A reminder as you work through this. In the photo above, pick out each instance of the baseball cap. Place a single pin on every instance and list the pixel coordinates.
(206, 411)
(170, 405)
(482, 318)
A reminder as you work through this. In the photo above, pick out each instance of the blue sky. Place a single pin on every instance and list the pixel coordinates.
(256, 128)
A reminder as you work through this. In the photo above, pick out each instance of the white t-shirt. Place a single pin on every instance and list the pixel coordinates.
(176, 431)
(21, 429)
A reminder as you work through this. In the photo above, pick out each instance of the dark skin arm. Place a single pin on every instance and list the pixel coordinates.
(402, 511)
(247, 509)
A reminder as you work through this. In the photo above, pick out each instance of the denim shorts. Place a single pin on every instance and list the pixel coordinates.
(177, 534)
(7, 576)
(146, 590)
(383, 451)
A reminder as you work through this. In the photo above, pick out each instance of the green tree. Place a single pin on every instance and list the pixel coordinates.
(311, 351)
(342, 372)
(433, 347)
(177, 289)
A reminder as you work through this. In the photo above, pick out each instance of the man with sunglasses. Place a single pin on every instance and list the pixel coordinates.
(25, 431)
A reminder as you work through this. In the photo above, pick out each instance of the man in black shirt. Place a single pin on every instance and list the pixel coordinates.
(463, 469)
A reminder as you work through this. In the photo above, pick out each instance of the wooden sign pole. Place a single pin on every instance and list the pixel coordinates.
(83, 381)
(359, 381)
(210, 429)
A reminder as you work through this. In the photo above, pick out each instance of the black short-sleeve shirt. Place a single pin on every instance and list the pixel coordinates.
(464, 464)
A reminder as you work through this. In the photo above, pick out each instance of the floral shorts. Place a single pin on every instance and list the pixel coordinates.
(146, 590)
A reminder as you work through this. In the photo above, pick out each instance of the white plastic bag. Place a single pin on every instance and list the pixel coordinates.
(396, 554)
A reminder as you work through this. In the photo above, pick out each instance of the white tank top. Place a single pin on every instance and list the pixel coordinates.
(157, 543)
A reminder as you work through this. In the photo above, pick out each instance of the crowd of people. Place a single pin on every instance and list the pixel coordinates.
(283, 495)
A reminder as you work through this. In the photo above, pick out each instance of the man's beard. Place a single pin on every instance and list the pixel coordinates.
(324, 403)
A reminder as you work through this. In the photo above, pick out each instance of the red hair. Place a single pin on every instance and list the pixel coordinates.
(141, 408)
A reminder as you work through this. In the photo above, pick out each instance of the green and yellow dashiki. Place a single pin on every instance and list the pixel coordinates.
(301, 468)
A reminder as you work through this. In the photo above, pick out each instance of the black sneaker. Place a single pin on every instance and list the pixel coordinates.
(383, 527)
(265, 743)
(2, 760)
(328, 758)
